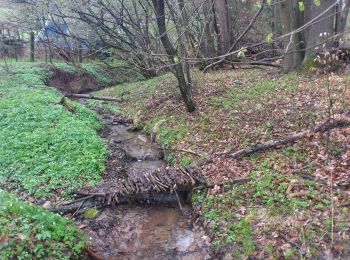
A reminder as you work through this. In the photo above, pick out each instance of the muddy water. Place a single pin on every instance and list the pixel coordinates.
(159, 230)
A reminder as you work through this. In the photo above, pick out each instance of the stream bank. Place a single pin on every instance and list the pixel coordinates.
(154, 228)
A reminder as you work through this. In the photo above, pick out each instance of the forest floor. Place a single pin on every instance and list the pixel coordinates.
(285, 210)
(294, 205)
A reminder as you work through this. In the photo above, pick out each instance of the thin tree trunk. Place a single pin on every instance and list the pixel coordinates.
(184, 86)
(32, 47)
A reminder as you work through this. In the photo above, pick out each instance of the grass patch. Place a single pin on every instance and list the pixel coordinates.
(44, 148)
(28, 232)
(135, 90)
(253, 91)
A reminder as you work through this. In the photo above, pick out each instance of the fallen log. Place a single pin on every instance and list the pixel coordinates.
(88, 96)
(74, 207)
(92, 200)
(290, 139)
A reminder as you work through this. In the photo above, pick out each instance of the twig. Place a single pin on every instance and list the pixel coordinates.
(82, 203)
(183, 150)
(232, 182)
(78, 200)
(178, 200)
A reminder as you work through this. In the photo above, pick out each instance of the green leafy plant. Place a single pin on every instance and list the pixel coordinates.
(44, 147)
(28, 232)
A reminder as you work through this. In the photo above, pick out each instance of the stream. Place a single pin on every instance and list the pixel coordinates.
(155, 229)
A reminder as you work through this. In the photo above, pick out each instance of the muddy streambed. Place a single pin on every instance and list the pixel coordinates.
(142, 230)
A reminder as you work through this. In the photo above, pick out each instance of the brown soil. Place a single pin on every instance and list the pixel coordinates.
(69, 83)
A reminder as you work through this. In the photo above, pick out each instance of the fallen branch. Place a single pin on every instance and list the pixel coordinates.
(64, 103)
(290, 139)
(87, 96)
(258, 63)
(184, 150)
(78, 200)
(231, 182)
(345, 204)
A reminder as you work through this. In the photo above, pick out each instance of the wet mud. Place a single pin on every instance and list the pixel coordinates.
(155, 229)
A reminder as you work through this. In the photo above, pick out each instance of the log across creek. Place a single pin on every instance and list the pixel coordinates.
(136, 171)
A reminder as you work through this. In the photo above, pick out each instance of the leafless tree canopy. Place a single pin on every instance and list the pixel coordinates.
(172, 35)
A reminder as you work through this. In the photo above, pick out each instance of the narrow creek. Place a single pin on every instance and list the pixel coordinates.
(143, 229)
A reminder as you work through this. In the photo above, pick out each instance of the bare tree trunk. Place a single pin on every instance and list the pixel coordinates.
(184, 85)
(234, 8)
(32, 47)
(342, 16)
(209, 29)
(324, 24)
(222, 19)
(293, 56)
(276, 24)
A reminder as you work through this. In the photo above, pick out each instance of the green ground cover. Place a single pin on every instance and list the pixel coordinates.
(44, 148)
(46, 151)
(28, 232)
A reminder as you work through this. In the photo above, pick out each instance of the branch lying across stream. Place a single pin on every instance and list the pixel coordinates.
(161, 182)
(90, 200)
(87, 96)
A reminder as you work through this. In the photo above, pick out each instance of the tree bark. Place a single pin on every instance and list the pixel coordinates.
(234, 8)
(293, 56)
(32, 43)
(222, 19)
(324, 24)
(209, 32)
(184, 86)
(341, 17)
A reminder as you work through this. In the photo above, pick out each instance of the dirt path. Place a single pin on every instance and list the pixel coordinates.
(158, 230)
